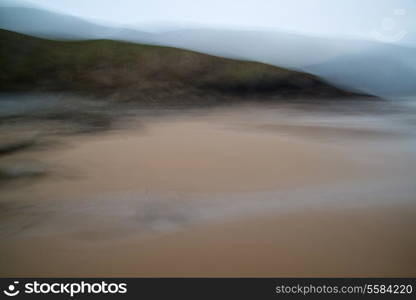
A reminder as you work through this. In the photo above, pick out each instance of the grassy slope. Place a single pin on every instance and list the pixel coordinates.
(132, 71)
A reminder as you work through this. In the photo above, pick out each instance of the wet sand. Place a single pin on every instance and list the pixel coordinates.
(346, 243)
(222, 192)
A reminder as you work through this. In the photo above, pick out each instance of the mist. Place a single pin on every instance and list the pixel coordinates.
(208, 138)
(324, 38)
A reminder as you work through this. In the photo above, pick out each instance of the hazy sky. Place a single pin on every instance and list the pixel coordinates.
(342, 17)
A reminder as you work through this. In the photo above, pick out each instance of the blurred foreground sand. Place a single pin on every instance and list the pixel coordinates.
(221, 194)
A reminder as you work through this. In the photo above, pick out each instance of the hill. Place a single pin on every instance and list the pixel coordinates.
(128, 71)
(372, 67)
(48, 24)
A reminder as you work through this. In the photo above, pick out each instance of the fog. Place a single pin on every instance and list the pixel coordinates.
(355, 18)
(352, 44)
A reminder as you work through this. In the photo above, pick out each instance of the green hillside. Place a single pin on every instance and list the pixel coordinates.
(128, 71)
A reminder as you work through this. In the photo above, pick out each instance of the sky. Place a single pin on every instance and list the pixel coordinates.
(385, 21)
(354, 18)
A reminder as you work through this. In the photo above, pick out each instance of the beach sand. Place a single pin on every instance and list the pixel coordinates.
(229, 193)
(369, 243)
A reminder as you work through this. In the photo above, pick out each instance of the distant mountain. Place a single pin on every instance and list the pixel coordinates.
(132, 36)
(273, 47)
(372, 67)
(385, 70)
(358, 65)
(409, 39)
(42, 23)
(148, 74)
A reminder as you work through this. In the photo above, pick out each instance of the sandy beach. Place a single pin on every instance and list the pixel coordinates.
(224, 192)
(366, 243)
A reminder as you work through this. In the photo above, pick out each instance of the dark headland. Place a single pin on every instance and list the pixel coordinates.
(148, 75)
